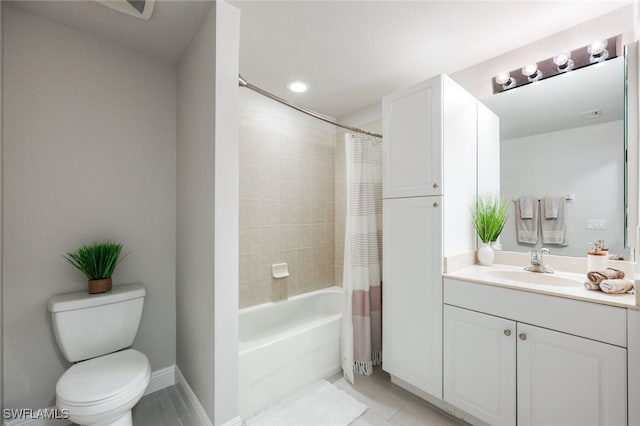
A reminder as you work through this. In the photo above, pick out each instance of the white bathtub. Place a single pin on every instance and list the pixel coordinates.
(287, 345)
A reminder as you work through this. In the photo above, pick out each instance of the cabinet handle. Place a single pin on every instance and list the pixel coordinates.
(435, 204)
(523, 336)
(435, 185)
(507, 332)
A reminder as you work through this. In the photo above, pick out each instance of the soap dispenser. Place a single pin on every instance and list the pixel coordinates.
(597, 257)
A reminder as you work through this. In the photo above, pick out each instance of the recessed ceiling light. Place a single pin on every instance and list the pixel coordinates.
(298, 86)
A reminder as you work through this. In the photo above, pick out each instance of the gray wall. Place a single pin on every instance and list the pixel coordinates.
(207, 213)
(586, 161)
(226, 214)
(89, 154)
(1, 210)
(195, 212)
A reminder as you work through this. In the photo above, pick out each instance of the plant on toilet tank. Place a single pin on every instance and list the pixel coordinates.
(97, 262)
(489, 214)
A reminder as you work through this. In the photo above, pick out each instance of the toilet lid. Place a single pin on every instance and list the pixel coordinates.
(103, 377)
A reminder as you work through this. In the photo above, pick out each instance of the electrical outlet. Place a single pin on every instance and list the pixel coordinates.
(596, 224)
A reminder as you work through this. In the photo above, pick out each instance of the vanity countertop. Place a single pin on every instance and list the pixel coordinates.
(570, 285)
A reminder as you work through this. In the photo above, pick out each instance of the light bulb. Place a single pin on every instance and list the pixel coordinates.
(530, 70)
(597, 47)
(298, 86)
(598, 51)
(503, 78)
(564, 62)
(561, 59)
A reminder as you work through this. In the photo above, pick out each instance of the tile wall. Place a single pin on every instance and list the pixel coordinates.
(287, 206)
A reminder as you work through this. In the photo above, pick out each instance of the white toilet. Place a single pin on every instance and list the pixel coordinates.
(105, 382)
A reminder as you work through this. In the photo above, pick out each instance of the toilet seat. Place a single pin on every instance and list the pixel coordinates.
(102, 378)
(103, 387)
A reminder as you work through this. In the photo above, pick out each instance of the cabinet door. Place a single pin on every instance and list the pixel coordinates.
(568, 380)
(412, 291)
(480, 365)
(412, 143)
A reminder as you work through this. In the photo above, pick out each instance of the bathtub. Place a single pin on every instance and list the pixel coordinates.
(287, 345)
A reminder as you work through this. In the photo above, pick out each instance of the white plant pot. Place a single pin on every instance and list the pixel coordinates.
(485, 254)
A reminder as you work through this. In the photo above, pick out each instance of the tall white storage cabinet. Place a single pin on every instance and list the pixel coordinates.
(430, 179)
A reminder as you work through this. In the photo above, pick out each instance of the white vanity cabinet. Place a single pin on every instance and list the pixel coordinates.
(412, 291)
(480, 365)
(493, 357)
(569, 380)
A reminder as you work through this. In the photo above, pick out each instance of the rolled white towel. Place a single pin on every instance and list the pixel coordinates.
(616, 286)
(591, 286)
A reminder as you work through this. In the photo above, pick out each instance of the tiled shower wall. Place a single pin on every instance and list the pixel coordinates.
(287, 206)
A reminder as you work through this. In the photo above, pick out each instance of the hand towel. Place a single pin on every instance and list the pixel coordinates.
(527, 229)
(552, 206)
(591, 286)
(554, 231)
(596, 277)
(616, 286)
(527, 205)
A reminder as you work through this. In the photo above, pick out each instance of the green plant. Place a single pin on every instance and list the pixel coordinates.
(489, 213)
(96, 261)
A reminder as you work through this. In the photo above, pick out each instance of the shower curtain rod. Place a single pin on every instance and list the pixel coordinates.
(244, 83)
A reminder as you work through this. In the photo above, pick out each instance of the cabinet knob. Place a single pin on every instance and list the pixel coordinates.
(507, 332)
(522, 336)
(435, 185)
(435, 204)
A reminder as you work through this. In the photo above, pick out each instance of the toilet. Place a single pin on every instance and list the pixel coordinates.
(94, 331)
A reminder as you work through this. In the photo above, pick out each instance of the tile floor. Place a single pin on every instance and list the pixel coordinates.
(391, 405)
(388, 405)
(167, 407)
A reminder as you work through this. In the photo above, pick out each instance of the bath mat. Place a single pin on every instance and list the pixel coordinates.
(321, 404)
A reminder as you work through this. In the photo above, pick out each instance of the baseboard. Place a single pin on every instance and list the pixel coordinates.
(160, 379)
(193, 400)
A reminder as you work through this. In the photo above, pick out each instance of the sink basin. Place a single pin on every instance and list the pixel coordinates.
(535, 278)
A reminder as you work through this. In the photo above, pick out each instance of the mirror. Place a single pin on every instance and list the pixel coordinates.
(564, 136)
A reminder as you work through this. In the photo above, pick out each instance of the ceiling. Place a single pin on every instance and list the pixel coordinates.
(354, 52)
(557, 103)
(165, 36)
(350, 52)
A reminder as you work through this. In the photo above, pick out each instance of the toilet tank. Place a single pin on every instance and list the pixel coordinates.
(90, 325)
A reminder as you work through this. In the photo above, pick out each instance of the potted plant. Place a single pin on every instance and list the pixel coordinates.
(97, 263)
(489, 215)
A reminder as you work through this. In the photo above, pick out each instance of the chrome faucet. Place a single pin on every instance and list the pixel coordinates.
(537, 265)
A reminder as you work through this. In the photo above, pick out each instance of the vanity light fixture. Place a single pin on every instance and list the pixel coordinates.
(298, 86)
(598, 51)
(532, 72)
(561, 64)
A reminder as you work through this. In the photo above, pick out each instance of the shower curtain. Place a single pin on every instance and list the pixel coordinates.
(362, 312)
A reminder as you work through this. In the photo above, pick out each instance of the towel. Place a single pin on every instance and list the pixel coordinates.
(554, 231)
(552, 206)
(527, 205)
(616, 286)
(527, 229)
(591, 286)
(596, 277)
